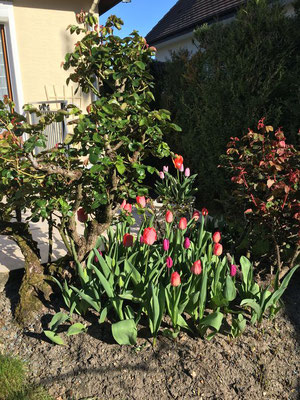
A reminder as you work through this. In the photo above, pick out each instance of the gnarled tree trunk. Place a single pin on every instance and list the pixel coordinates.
(33, 287)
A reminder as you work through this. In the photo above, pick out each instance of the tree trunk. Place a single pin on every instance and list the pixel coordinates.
(33, 288)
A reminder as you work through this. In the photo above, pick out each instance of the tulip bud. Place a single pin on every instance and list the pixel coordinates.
(216, 237)
(181, 169)
(141, 201)
(186, 243)
(165, 168)
(218, 249)
(141, 240)
(149, 236)
(187, 172)
(196, 215)
(127, 240)
(161, 175)
(128, 208)
(96, 259)
(169, 262)
(182, 223)
(204, 212)
(166, 244)
(175, 279)
(196, 268)
(169, 216)
(233, 270)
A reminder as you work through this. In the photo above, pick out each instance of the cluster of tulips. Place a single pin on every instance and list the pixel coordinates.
(178, 271)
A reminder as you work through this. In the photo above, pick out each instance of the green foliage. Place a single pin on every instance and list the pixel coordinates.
(101, 161)
(13, 385)
(266, 173)
(133, 278)
(242, 71)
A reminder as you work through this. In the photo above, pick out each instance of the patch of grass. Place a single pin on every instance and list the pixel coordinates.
(12, 376)
(13, 385)
(31, 393)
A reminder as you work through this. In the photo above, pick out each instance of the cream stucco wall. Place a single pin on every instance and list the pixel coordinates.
(184, 42)
(42, 42)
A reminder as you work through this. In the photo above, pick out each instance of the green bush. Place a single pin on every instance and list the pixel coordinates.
(243, 71)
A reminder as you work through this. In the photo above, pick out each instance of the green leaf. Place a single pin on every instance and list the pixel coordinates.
(176, 127)
(76, 328)
(57, 319)
(230, 290)
(108, 109)
(54, 337)
(213, 320)
(120, 167)
(141, 65)
(254, 305)
(124, 332)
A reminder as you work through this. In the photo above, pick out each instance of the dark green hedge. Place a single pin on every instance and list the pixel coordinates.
(243, 70)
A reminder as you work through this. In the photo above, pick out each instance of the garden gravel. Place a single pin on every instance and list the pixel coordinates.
(262, 364)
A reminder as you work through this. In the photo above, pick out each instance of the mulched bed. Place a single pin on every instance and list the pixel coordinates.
(262, 364)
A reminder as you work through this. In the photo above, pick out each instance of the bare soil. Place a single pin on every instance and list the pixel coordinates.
(264, 363)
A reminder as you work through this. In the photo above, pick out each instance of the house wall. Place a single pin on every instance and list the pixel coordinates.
(42, 42)
(182, 42)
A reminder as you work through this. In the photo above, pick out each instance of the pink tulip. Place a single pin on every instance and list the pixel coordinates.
(169, 262)
(186, 243)
(182, 223)
(196, 268)
(161, 175)
(165, 168)
(141, 201)
(181, 169)
(128, 208)
(196, 215)
(166, 244)
(233, 270)
(218, 249)
(175, 279)
(149, 236)
(282, 144)
(123, 204)
(216, 237)
(82, 215)
(169, 216)
(187, 172)
(96, 259)
(141, 240)
(127, 240)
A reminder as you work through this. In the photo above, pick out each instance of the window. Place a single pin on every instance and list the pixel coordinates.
(5, 84)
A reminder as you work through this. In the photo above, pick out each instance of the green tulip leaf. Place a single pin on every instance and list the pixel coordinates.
(124, 332)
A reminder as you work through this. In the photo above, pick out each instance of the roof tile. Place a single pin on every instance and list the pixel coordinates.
(185, 15)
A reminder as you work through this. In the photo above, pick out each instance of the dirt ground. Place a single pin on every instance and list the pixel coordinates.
(262, 364)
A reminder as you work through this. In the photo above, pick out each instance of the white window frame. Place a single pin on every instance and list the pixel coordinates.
(7, 19)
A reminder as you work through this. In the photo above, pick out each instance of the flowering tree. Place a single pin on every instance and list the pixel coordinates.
(101, 161)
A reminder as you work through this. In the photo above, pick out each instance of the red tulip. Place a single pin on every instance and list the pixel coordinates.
(141, 201)
(123, 204)
(127, 240)
(175, 279)
(82, 215)
(128, 208)
(182, 223)
(169, 262)
(169, 216)
(149, 236)
(196, 215)
(196, 268)
(178, 161)
(216, 237)
(218, 249)
(233, 269)
(204, 212)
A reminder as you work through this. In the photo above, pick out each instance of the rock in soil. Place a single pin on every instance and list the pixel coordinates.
(264, 363)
